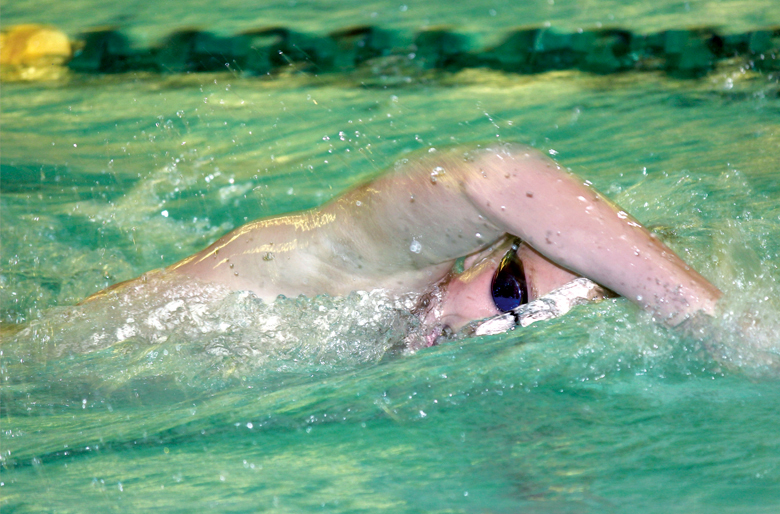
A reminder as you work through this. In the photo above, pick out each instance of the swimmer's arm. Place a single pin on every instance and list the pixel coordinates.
(453, 203)
(527, 194)
(404, 230)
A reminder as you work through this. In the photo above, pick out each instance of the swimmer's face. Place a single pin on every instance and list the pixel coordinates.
(473, 295)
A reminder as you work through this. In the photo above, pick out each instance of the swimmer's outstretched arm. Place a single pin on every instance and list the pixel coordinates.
(451, 203)
(404, 230)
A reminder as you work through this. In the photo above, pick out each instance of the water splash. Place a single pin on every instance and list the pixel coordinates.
(197, 332)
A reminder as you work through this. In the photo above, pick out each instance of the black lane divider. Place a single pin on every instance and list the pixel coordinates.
(685, 53)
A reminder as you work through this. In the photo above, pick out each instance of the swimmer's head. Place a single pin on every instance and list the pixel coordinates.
(492, 282)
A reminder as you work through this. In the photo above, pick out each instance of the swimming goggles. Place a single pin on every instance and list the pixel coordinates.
(510, 295)
(552, 305)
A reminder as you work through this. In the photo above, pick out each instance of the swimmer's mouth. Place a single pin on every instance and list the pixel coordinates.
(552, 305)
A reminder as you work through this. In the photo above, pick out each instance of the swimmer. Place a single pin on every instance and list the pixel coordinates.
(517, 224)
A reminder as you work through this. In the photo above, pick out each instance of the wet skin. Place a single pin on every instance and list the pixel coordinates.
(403, 232)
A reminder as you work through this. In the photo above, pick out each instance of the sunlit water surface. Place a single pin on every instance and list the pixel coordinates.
(190, 398)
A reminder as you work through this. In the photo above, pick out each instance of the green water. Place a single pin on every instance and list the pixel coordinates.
(104, 178)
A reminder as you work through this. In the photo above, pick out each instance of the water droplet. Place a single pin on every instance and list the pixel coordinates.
(268, 256)
(437, 171)
(415, 247)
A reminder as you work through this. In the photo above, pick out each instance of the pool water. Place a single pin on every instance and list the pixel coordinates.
(222, 403)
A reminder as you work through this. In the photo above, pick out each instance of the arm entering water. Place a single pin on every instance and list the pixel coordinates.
(586, 233)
